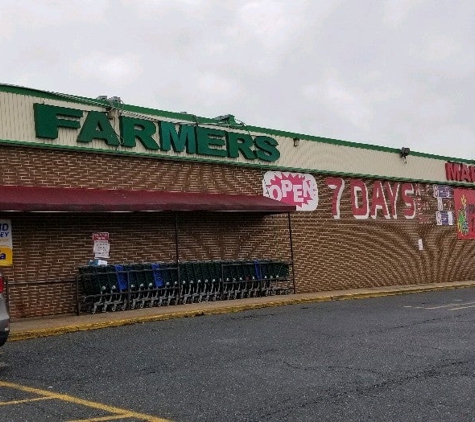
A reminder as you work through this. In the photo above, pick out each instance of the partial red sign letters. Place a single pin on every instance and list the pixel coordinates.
(383, 200)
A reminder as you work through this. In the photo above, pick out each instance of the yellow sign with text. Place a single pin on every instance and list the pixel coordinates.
(6, 249)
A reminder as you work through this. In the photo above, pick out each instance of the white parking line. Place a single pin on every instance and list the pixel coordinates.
(447, 305)
(451, 304)
(433, 307)
(462, 307)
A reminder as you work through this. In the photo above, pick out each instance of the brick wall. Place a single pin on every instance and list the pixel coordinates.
(48, 248)
(350, 253)
(41, 298)
(329, 253)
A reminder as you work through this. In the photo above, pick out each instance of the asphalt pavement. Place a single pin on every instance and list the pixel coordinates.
(22, 329)
(405, 357)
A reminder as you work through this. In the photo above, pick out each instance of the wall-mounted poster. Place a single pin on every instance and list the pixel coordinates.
(444, 216)
(465, 213)
(6, 249)
(101, 245)
(297, 189)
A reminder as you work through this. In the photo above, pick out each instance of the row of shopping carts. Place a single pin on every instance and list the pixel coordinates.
(130, 286)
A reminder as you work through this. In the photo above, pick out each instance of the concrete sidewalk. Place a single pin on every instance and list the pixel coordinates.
(22, 329)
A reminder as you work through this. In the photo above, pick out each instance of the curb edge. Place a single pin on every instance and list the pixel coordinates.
(49, 332)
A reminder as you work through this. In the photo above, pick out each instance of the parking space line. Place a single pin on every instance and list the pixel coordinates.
(9, 403)
(462, 307)
(450, 304)
(116, 411)
(447, 305)
(102, 418)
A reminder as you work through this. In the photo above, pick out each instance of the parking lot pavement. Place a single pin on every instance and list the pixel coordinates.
(19, 398)
(22, 329)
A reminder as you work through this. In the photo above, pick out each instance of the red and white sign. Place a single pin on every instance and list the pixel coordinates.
(101, 245)
(383, 199)
(292, 188)
(100, 236)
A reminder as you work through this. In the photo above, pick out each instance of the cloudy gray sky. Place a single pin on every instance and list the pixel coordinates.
(383, 72)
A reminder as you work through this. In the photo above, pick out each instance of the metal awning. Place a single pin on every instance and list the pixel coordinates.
(52, 199)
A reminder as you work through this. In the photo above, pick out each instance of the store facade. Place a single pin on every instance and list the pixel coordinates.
(176, 187)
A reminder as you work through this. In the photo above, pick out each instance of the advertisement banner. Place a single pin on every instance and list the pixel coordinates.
(6, 248)
(464, 200)
(297, 189)
(444, 218)
(443, 191)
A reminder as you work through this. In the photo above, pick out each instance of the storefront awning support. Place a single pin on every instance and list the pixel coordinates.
(177, 253)
(291, 251)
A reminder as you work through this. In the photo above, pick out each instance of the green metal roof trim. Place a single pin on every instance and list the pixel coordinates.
(236, 164)
(186, 117)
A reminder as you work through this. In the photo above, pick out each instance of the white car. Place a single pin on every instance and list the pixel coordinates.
(4, 316)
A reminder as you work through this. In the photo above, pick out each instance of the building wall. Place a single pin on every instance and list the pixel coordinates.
(329, 253)
(48, 248)
(352, 253)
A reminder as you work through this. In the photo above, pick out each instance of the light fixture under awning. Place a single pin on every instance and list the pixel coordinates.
(52, 199)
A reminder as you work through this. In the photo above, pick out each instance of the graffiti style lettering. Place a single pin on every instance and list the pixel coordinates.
(359, 190)
(378, 202)
(337, 184)
(392, 193)
(408, 198)
(383, 200)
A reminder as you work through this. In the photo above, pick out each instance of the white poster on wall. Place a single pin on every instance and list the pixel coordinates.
(101, 245)
(299, 189)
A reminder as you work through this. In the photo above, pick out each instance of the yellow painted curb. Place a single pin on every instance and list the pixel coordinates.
(235, 307)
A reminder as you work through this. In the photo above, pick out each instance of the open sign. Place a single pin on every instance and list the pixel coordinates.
(292, 188)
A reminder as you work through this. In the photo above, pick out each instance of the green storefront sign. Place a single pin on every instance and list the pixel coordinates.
(191, 139)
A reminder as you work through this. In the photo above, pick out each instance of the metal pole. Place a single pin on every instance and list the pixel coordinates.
(177, 256)
(78, 310)
(291, 251)
(177, 259)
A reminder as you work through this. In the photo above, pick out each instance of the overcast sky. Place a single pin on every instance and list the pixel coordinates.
(383, 72)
